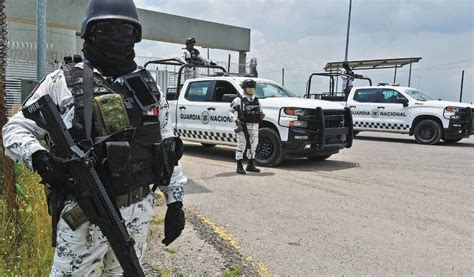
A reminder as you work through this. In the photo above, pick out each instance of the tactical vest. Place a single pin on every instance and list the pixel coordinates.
(194, 56)
(126, 136)
(250, 110)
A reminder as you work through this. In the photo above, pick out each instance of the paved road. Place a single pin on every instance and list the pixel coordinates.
(385, 206)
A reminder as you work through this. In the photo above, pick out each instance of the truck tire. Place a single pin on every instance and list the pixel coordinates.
(319, 158)
(428, 131)
(452, 140)
(269, 149)
(207, 145)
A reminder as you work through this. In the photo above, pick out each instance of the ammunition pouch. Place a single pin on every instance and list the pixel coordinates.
(133, 162)
(118, 161)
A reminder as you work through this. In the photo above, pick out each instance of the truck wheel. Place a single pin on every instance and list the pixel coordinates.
(428, 132)
(207, 145)
(319, 158)
(269, 149)
(452, 140)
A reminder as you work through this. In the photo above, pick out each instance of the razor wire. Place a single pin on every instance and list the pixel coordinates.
(25, 52)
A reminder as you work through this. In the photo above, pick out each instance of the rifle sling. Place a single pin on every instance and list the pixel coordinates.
(88, 94)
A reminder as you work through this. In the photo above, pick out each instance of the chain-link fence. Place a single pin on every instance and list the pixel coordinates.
(21, 66)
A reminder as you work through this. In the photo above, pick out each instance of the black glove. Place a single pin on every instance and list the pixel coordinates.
(174, 222)
(50, 168)
(212, 63)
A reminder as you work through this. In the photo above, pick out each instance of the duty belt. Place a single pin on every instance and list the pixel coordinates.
(75, 217)
(132, 197)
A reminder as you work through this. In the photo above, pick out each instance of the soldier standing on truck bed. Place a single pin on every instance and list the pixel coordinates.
(347, 78)
(192, 56)
(249, 115)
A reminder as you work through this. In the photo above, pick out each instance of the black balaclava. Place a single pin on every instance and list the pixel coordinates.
(111, 53)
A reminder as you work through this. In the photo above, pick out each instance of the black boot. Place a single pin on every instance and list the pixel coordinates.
(240, 167)
(251, 166)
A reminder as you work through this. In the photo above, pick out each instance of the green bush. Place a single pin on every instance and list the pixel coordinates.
(25, 241)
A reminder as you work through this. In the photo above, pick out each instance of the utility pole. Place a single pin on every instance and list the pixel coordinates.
(348, 28)
(40, 39)
(283, 76)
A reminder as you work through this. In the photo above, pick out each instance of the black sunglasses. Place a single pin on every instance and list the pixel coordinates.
(114, 26)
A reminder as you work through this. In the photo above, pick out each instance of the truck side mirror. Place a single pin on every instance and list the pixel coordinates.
(228, 97)
(403, 101)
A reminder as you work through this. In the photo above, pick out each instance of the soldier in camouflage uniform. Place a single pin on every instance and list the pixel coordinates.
(110, 29)
(247, 113)
(193, 56)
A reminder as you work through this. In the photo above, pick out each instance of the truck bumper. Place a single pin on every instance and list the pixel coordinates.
(462, 127)
(325, 139)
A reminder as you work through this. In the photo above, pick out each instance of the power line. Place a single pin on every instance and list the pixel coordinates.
(423, 69)
(438, 65)
(431, 67)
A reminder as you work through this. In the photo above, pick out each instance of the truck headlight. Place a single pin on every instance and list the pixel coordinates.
(450, 112)
(290, 117)
(293, 111)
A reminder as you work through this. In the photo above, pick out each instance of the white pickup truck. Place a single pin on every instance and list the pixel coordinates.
(293, 127)
(396, 109)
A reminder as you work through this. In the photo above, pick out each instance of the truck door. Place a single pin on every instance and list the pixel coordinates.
(193, 115)
(222, 127)
(364, 107)
(392, 115)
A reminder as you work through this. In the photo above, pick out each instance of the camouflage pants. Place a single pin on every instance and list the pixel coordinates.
(191, 73)
(253, 136)
(79, 252)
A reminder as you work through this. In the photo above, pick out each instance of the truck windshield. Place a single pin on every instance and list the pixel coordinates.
(267, 90)
(418, 95)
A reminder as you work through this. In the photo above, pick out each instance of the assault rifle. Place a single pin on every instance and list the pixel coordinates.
(89, 191)
(242, 127)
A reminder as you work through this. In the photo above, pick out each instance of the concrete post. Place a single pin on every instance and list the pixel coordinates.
(395, 76)
(41, 39)
(409, 76)
(242, 61)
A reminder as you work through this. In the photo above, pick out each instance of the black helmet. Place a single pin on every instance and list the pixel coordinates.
(100, 10)
(248, 83)
(190, 40)
(345, 64)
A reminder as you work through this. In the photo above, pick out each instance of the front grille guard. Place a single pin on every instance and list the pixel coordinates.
(325, 123)
(466, 118)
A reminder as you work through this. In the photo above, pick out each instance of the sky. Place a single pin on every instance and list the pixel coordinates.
(303, 35)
